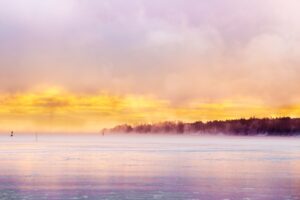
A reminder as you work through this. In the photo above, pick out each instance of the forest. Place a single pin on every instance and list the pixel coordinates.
(284, 126)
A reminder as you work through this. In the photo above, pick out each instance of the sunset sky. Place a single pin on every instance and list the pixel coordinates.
(79, 66)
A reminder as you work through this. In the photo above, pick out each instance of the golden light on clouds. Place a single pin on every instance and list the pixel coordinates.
(54, 110)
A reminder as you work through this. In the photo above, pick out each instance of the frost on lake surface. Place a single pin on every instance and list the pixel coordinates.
(149, 167)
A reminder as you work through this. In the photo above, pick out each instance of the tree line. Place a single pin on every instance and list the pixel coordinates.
(253, 126)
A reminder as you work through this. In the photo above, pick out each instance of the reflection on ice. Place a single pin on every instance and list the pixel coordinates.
(149, 167)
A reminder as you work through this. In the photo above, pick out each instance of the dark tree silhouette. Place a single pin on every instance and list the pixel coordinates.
(252, 126)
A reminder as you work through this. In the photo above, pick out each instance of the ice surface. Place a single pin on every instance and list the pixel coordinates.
(149, 167)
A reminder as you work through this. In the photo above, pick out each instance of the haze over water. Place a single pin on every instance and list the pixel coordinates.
(149, 167)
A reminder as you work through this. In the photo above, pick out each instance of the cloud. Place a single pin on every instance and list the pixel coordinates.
(177, 50)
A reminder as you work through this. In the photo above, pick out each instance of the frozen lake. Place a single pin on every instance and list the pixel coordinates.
(149, 167)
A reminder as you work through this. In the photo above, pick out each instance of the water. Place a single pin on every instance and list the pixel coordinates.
(149, 167)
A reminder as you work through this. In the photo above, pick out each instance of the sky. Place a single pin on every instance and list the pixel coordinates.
(73, 65)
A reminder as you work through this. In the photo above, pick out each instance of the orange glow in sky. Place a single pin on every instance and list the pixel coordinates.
(54, 109)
